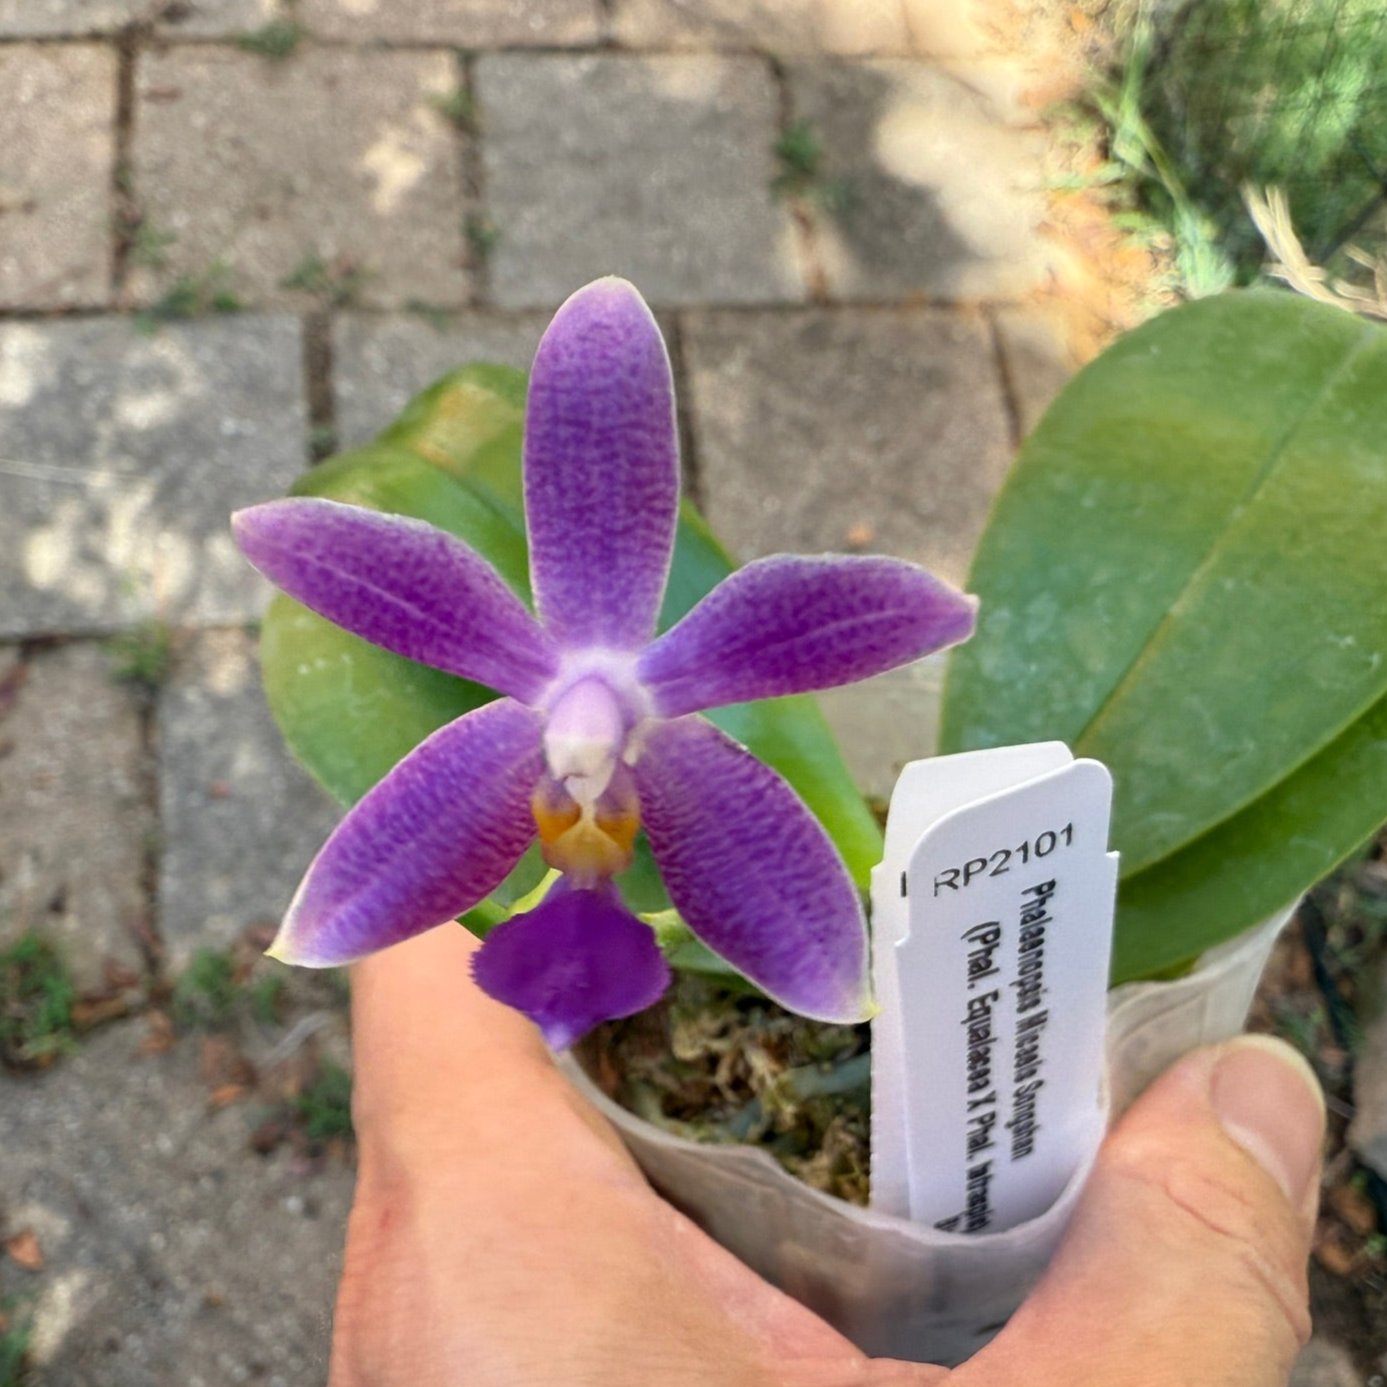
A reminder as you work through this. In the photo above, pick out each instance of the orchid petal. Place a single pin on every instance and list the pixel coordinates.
(752, 872)
(577, 959)
(601, 469)
(428, 842)
(793, 624)
(401, 584)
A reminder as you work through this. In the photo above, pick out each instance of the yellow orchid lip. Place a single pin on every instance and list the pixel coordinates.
(593, 841)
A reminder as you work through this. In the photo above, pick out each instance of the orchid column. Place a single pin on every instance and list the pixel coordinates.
(596, 735)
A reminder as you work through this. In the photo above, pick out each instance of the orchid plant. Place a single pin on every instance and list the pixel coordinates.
(597, 734)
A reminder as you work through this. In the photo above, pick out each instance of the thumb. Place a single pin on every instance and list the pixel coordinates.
(1186, 1258)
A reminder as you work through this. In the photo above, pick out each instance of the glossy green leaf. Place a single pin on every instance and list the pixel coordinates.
(1254, 863)
(468, 424)
(1184, 577)
(350, 710)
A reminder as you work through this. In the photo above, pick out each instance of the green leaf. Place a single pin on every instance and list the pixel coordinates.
(468, 424)
(1252, 864)
(350, 711)
(1184, 578)
(700, 563)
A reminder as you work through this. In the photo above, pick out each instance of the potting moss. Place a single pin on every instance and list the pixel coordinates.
(718, 1066)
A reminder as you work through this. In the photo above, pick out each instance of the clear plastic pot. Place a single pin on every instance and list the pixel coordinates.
(900, 1289)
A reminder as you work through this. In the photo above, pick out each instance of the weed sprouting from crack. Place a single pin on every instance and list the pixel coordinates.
(37, 994)
(800, 154)
(482, 234)
(16, 1331)
(207, 991)
(192, 296)
(143, 656)
(149, 245)
(325, 1106)
(458, 107)
(335, 283)
(276, 40)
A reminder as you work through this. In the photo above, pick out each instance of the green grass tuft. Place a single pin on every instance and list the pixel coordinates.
(436, 316)
(267, 998)
(1212, 95)
(325, 1106)
(149, 246)
(337, 283)
(205, 996)
(457, 106)
(276, 40)
(16, 1330)
(142, 656)
(192, 296)
(482, 234)
(800, 154)
(36, 998)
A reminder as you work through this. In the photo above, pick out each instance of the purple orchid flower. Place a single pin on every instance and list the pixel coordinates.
(594, 737)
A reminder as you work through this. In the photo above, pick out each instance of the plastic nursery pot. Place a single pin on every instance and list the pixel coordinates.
(900, 1289)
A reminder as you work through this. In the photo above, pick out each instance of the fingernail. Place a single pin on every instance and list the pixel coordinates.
(1268, 1100)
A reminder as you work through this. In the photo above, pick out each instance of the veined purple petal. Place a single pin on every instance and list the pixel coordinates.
(792, 624)
(601, 469)
(752, 871)
(579, 958)
(402, 584)
(436, 835)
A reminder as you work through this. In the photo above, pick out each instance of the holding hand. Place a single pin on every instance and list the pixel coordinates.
(503, 1237)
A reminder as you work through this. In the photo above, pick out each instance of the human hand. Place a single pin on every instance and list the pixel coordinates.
(502, 1237)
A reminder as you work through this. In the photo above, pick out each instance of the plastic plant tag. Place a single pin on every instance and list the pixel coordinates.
(992, 918)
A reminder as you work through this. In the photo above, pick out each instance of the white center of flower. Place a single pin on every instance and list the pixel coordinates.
(585, 735)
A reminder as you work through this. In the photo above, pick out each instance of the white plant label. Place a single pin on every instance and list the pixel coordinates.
(992, 922)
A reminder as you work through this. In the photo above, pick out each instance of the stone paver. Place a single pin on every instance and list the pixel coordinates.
(1038, 361)
(241, 820)
(476, 24)
(380, 361)
(74, 818)
(331, 154)
(941, 195)
(856, 27)
(24, 19)
(883, 723)
(177, 18)
(122, 455)
(219, 18)
(57, 145)
(173, 1255)
(656, 168)
(823, 430)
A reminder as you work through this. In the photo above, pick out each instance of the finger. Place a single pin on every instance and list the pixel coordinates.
(498, 1219)
(440, 1066)
(1186, 1259)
